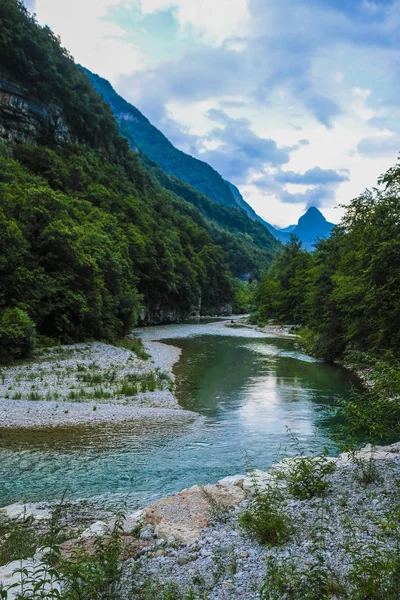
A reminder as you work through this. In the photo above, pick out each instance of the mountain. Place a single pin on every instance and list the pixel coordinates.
(311, 227)
(198, 183)
(287, 229)
(147, 138)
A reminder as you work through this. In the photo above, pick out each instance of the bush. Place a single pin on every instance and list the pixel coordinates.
(17, 334)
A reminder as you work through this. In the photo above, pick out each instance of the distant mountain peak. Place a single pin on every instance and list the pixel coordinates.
(313, 213)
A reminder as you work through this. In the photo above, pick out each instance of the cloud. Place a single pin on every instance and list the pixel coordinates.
(320, 195)
(234, 81)
(324, 109)
(30, 5)
(92, 39)
(215, 20)
(378, 145)
(240, 151)
(314, 176)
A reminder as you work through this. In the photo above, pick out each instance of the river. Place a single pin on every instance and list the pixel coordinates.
(250, 389)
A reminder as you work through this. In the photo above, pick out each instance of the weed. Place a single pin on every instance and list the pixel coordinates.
(264, 518)
(134, 345)
(366, 470)
(219, 511)
(306, 476)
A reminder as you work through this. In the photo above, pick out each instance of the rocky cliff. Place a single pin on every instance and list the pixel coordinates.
(24, 119)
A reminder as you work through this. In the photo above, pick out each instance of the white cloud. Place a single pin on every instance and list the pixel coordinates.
(93, 41)
(217, 19)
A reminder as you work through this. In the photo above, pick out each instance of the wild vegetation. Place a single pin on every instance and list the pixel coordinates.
(346, 294)
(89, 235)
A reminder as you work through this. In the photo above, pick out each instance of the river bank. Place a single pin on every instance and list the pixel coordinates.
(194, 541)
(90, 384)
(341, 538)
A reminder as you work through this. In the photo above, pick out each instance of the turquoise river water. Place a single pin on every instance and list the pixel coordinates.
(249, 389)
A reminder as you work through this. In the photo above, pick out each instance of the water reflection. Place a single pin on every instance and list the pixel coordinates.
(248, 388)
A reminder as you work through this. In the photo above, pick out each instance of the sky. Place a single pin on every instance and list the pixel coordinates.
(294, 101)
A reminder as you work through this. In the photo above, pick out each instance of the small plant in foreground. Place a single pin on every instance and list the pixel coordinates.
(219, 511)
(306, 475)
(264, 518)
(300, 582)
(366, 470)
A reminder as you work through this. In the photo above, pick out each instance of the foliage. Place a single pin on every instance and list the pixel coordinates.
(17, 334)
(294, 582)
(281, 293)
(86, 254)
(347, 293)
(264, 518)
(244, 297)
(373, 414)
(89, 235)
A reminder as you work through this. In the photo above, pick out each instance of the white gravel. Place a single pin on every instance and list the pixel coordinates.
(83, 383)
(225, 563)
(25, 413)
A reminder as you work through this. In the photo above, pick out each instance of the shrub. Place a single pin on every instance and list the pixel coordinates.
(17, 334)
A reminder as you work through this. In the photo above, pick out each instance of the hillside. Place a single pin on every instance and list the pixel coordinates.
(219, 201)
(147, 138)
(90, 238)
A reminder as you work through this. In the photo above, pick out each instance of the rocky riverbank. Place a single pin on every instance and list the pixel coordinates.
(90, 383)
(196, 541)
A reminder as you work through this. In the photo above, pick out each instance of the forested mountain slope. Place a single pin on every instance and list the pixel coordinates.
(147, 138)
(89, 236)
(191, 178)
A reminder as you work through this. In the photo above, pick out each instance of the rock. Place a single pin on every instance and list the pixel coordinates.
(147, 533)
(130, 522)
(259, 479)
(41, 552)
(170, 540)
(184, 560)
(186, 514)
(232, 480)
(10, 577)
(23, 512)
(97, 529)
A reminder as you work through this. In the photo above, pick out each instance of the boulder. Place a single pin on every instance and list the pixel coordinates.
(130, 522)
(10, 578)
(260, 480)
(186, 514)
(372, 452)
(232, 480)
(23, 512)
(97, 529)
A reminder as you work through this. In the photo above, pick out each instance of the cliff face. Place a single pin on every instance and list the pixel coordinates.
(22, 119)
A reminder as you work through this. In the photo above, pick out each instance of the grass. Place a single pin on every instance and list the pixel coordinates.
(134, 345)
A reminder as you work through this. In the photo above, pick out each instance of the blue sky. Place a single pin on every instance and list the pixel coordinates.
(294, 101)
